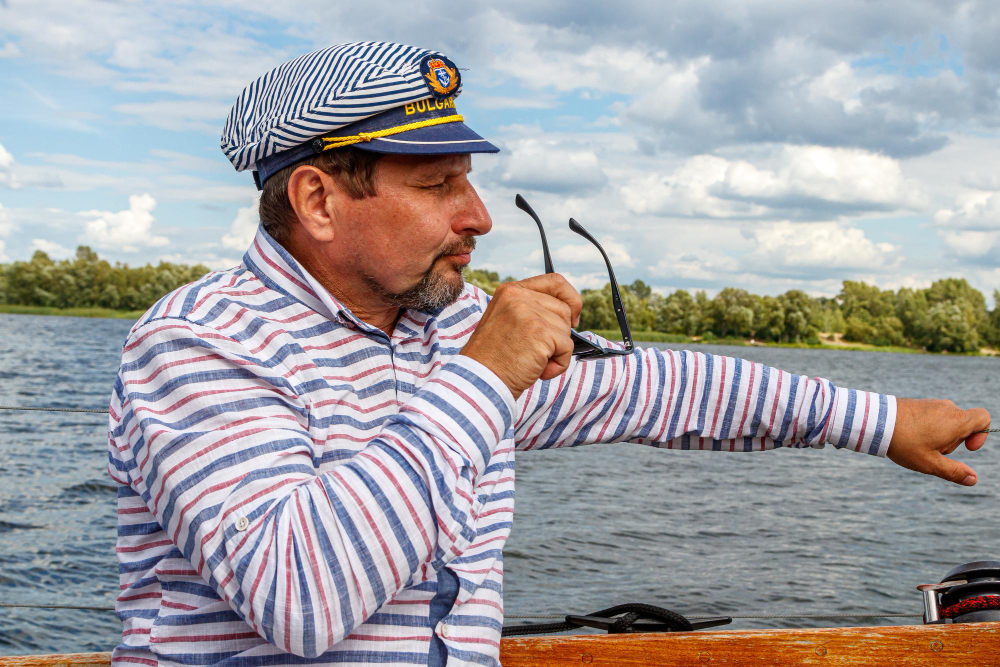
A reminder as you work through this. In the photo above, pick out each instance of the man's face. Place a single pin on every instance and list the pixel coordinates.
(411, 241)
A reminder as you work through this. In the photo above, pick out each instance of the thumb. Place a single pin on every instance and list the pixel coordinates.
(955, 471)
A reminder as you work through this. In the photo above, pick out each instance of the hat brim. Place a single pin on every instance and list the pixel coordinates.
(445, 139)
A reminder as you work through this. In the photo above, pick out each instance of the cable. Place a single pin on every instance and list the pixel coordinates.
(48, 409)
(26, 605)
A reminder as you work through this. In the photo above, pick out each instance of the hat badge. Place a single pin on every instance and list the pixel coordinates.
(440, 74)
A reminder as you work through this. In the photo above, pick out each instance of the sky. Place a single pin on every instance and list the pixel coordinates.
(769, 145)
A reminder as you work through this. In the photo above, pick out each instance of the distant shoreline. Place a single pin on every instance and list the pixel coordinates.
(830, 341)
(102, 313)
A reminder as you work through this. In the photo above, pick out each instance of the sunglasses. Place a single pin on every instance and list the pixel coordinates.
(583, 348)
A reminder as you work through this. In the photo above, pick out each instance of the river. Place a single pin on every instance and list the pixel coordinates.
(787, 532)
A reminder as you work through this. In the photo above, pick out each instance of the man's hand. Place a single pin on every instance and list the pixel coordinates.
(927, 429)
(524, 334)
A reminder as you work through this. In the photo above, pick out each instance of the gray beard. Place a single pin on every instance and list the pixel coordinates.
(433, 292)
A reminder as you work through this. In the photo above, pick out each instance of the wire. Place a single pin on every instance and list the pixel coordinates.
(25, 605)
(48, 409)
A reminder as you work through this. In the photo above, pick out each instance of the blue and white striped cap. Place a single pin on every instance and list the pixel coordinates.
(377, 96)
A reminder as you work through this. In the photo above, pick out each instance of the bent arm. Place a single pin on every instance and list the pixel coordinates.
(219, 445)
(693, 400)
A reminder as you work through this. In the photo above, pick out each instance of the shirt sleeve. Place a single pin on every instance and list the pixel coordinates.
(693, 400)
(218, 443)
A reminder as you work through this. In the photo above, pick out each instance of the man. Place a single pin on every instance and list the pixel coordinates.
(315, 450)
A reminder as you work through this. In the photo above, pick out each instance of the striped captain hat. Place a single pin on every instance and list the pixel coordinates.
(376, 96)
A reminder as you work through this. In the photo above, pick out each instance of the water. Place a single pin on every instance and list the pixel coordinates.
(700, 532)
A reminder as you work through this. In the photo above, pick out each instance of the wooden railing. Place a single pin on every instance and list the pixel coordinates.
(890, 646)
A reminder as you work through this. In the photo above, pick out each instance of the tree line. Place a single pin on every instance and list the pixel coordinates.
(948, 316)
(86, 280)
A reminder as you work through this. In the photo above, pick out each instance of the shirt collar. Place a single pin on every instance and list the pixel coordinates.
(276, 268)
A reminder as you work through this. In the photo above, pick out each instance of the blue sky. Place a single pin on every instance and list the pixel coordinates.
(769, 145)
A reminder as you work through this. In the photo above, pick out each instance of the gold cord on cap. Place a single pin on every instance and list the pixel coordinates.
(339, 142)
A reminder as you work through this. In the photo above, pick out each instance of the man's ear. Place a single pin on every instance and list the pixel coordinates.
(314, 195)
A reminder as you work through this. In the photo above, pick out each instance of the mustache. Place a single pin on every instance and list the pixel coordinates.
(459, 247)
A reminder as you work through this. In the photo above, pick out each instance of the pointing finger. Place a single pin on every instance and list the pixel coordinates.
(955, 471)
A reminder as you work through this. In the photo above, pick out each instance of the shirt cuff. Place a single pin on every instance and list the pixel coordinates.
(469, 407)
(862, 421)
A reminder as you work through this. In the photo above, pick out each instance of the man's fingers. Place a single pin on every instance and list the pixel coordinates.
(975, 441)
(555, 285)
(955, 471)
(977, 419)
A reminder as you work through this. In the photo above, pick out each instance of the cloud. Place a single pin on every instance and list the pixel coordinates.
(549, 166)
(52, 249)
(9, 50)
(975, 211)
(7, 178)
(124, 230)
(3, 254)
(789, 248)
(587, 253)
(804, 181)
(243, 229)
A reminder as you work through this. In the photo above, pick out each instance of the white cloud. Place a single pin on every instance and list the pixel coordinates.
(243, 229)
(52, 249)
(124, 230)
(587, 253)
(7, 177)
(792, 178)
(551, 166)
(973, 243)
(827, 245)
(688, 192)
(9, 50)
(978, 211)
(3, 254)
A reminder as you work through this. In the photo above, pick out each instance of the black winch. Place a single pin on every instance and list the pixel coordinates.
(970, 593)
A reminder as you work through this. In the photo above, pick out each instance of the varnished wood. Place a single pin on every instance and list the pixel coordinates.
(960, 644)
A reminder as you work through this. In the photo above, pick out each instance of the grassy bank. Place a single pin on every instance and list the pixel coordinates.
(71, 312)
(660, 337)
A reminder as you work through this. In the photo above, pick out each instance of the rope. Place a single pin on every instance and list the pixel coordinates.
(627, 614)
(748, 616)
(47, 409)
(338, 142)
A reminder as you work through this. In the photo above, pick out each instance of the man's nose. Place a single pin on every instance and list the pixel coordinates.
(472, 217)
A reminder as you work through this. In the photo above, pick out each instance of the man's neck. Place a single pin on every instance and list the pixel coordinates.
(359, 299)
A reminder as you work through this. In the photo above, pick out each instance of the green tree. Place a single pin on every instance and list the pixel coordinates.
(949, 329)
(800, 316)
(732, 312)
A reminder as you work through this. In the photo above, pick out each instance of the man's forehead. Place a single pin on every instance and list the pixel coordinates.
(420, 165)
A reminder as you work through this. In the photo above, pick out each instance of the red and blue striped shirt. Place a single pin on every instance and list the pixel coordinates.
(296, 486)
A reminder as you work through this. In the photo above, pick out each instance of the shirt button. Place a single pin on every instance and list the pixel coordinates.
(445, 630)
(242, 523)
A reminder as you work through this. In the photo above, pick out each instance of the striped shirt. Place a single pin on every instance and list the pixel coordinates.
(297, 486)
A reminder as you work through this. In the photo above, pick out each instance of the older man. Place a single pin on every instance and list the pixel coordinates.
(315, 450)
